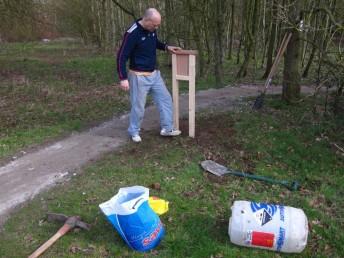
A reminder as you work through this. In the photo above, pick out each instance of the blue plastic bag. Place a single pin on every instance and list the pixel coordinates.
(130, 214)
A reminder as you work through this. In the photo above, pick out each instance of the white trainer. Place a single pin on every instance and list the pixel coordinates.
(173, 132)
(136, 138)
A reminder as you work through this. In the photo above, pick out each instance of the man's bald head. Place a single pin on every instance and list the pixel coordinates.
(151, 19)
(151, 13)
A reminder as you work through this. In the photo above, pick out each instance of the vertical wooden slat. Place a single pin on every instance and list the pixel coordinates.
(192, 75)
(175, 92)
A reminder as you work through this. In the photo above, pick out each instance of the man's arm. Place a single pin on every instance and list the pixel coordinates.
(164, 46)
(160, 45)
(123, 54)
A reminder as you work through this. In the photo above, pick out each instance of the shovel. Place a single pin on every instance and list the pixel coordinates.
(219, 170)
(258, 104)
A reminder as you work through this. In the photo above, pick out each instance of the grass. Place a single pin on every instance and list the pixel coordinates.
(48, 90)
(285, 142)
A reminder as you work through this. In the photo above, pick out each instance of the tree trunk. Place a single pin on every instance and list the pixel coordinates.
(265, 37)
(197, 33)
(231, 31)
(250, 30)
(314, 19)
(168, 23)
(113, 26)
(291, 73)
(218, 51)
(243, 5)
(271, 40)
(310, 60)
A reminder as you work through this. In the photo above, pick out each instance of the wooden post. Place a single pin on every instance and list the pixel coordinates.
(184, 69)
(175, 92)
(192, 92)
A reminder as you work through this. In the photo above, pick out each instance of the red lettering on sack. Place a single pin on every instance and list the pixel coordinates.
(263, 239)
(152, 236)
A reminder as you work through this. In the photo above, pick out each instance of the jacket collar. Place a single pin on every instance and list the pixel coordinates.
(141, 28)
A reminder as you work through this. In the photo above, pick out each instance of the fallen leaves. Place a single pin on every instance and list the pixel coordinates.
(29, 239)
(155, 186)
(189, 194)
(317, 201)
(75, 249)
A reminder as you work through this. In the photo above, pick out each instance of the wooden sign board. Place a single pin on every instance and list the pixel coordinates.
(184, 69)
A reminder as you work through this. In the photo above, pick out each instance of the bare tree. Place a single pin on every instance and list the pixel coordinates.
(272, 38)
(291, 72)
(251, 12)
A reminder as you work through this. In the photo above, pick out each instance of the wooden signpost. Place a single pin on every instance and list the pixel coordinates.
(184, 69)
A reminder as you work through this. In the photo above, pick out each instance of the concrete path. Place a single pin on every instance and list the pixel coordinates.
(23, 178)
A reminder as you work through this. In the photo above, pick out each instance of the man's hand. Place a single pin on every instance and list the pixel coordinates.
(124, 84)
(173, 49)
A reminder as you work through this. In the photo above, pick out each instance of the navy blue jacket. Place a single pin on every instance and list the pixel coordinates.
(139, 45)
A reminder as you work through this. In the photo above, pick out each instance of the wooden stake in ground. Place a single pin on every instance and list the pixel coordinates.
(184, 69)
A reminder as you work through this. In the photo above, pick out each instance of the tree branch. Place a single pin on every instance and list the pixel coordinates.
(131, 13)
(339, 25)
(330, 15)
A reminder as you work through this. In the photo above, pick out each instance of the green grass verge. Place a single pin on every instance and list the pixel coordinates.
(50, 89)
(285, 142)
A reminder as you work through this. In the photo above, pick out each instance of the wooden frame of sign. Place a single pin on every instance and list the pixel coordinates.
(184, 69)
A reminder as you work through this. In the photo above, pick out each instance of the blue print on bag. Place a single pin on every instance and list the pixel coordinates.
(281, 238)
(270, 208)
(142, 230)
(281, 212)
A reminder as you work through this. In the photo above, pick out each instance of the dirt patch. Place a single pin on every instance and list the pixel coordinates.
(216, 140)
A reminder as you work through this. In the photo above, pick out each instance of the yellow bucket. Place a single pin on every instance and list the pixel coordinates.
(159, 206)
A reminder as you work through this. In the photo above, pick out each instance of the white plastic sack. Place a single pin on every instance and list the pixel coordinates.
(130, 214)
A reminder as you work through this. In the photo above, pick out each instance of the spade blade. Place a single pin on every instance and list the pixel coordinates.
(214, 168)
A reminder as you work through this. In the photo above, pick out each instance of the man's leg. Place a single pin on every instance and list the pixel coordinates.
(138, 94)
(163, 100)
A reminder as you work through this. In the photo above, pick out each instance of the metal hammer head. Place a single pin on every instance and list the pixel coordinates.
(73, 221)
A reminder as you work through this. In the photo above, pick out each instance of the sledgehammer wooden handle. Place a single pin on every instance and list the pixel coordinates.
(63, 230)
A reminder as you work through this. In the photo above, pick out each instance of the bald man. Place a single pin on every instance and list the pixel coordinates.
(139, 46)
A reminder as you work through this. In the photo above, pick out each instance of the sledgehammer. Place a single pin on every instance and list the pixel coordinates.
(69, 223)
